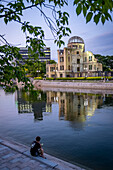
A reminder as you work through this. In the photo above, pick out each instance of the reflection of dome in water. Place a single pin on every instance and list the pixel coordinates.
(75, 39)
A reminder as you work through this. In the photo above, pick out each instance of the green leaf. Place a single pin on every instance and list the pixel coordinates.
(60, 37)
(96, 18)
(79, 9)
(65, 13)
(63, 31)
(68, 29)
(5, 20)
(75, 2)
(89, 16)
(58, 23)
(103, 19)
(84, 10)
(109, 16)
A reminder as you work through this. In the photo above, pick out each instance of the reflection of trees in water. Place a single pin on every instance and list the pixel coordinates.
(108, 100)
(33, 96)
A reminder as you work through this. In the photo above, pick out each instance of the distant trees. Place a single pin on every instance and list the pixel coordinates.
(43, 67)
(37, 69)
(107, 61)
(52, 62)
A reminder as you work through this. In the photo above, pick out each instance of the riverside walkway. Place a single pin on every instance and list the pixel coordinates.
(16, 156)
(96, 87)
(74, 84)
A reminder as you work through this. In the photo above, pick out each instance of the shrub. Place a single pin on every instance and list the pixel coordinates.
(38, 78)
(28, 75)
(49, 78)
(71, 78)
(93, 78)
(99, 78)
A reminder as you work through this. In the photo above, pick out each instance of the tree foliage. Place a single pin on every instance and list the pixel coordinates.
(97, 10)
(52, 62)
(37, 69)
(107, 62)
(12, 11)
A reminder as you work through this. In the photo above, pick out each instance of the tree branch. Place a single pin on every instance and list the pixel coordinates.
(2, 36)
(16, 11)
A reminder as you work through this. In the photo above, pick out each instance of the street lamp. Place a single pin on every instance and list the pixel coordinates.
(85, 69)
(38, 71)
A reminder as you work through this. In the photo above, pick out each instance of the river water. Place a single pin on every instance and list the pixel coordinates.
(76, 127)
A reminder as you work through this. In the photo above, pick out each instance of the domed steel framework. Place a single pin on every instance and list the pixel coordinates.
(75, 39)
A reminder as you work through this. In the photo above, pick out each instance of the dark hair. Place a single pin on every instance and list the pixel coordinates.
(38, 138)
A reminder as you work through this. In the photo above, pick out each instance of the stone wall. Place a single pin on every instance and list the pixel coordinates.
(74, 85)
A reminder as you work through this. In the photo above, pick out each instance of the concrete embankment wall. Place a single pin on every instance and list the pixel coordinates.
(74, 85)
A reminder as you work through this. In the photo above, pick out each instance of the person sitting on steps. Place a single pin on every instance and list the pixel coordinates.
(36, 148)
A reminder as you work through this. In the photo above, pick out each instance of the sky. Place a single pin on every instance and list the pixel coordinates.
(98, 38)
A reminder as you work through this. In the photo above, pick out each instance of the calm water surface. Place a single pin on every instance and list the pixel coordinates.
(74, 127)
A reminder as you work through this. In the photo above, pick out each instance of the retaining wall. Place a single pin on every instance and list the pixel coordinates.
(74, 85)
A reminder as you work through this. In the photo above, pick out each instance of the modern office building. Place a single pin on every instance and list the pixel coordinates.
(73, 61)
(46, 51)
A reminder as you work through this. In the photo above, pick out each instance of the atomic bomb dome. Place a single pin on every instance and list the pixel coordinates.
(73, 61)
(76, 42)
(75, 39)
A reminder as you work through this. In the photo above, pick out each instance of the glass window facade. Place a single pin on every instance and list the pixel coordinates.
(43, 57)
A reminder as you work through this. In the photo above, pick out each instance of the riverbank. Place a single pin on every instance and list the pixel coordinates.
(16, 156)
(96, 87)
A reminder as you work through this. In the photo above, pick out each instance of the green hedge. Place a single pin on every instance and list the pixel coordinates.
(67, 78)
(94, 78)
(71, 78)
(38, 78)
(80, 78)
(99, 78)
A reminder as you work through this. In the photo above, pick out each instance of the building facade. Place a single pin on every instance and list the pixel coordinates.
(73, 61)
(52, 70)
(46, 51)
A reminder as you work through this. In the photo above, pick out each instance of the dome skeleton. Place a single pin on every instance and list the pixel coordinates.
(76, 39)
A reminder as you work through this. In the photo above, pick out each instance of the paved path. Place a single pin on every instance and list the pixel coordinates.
(15, 156)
